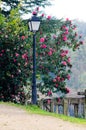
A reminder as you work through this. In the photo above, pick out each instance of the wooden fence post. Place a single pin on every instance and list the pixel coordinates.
(83, 93)
(76, 110)
(52, 105)
(65, 107)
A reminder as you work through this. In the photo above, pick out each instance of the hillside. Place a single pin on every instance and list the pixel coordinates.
(78, 76)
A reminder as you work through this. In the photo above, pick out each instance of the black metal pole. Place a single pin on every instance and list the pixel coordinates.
(34, 91)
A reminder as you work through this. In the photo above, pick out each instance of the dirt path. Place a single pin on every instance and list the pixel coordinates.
(12, 118)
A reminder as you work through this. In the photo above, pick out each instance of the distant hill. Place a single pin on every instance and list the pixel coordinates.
(78, 76)
(81, 27)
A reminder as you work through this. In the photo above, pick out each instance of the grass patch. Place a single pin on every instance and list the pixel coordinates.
(32, 109)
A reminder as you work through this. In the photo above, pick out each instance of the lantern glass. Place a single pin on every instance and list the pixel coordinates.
(34, 24)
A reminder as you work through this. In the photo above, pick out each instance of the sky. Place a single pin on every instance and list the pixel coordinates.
(72, 9)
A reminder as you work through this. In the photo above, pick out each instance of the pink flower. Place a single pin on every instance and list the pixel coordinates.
(66, 32)
(68, 60)
(14, 60)
(23, 37)
(68, 77)
(49, 93)
(54, 80)
(64, 38)
(42, 15)
(54, 36)
(34, 12)
(62, 79)
(43, 46)
(58, 78)
(0, 54)
(66, 28)
(16, 54)
(67, 90)
(2, 51)
(62, 54)
(66, 51)
(64, 63)
(49, 17)
(56, 85)
(25, 56)
(42, 39)
(50, 53)
(67, 19)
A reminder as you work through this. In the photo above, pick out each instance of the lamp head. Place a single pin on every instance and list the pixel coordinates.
(34, 23)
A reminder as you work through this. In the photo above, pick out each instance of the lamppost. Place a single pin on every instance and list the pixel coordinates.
(34, 24)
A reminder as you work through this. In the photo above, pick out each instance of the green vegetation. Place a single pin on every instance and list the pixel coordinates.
(32, 109)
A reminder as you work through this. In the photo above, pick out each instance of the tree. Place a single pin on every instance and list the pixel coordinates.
(78, 70)
(25, 5)
(13, 57)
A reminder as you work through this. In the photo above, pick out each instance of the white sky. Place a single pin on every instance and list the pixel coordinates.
(72, 9)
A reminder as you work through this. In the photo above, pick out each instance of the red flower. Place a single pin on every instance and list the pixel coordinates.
(64, 38)
(66, 51)
(68, 77)
(56, 85)
(25, 56)
(16, 54)
(67, 90)
(66, 32)
(43, 46)
(42, 15)
(2, 51)
(50, 53)
(23, 37)
(67, 19)
(49, 17)
(58, 78)
(14, 60)
(64, 63)
(0, 54)
(42, 39)
(49, 93)
(34, 12)
(68, 60)
(54, 80)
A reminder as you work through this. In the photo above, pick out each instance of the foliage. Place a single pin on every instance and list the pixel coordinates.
(13, 57)
(24, 5)
(53, 59)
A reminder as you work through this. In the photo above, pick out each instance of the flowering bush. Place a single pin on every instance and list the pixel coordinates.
(54, 39)
(53, 59)
(14, 58)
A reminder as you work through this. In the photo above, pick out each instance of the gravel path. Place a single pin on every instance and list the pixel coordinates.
(12, 118)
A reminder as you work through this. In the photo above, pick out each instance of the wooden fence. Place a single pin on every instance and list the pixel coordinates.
(71, 105)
